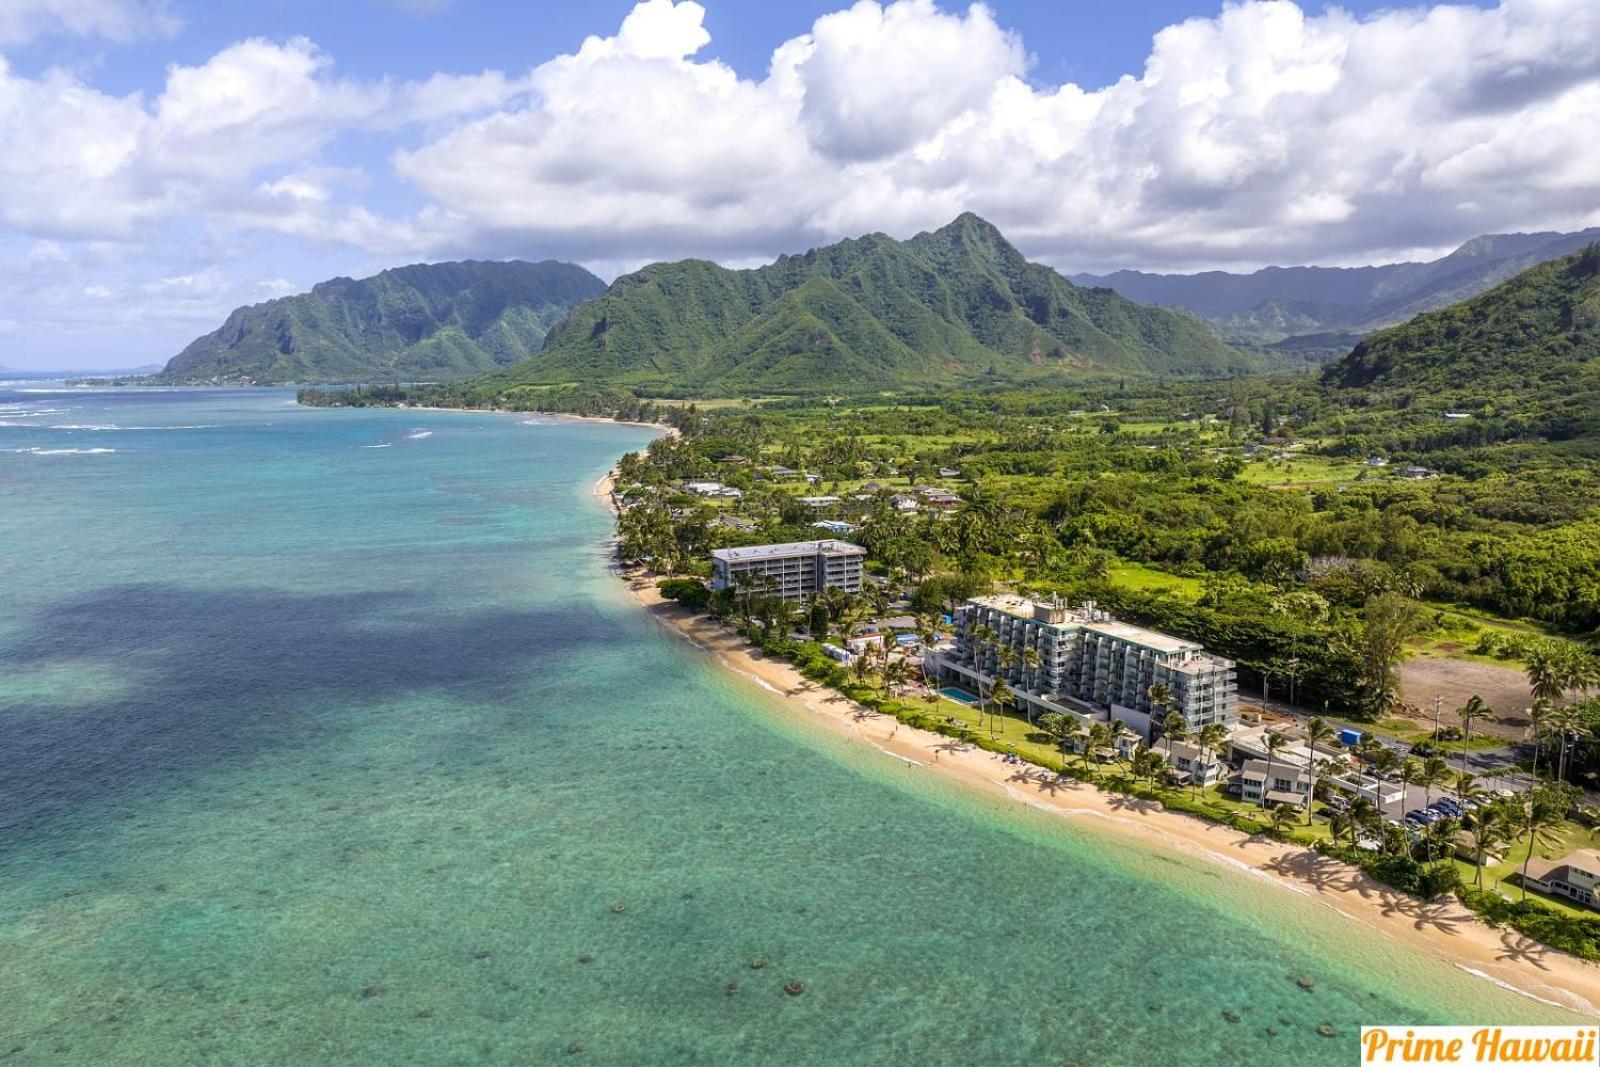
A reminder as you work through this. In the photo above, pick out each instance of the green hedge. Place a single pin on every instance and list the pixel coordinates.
(1569, 933)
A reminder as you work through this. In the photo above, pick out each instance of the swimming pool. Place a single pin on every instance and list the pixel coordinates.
(960, 696)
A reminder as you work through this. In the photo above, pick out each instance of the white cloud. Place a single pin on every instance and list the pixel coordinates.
(1260, 135)
(1264, 134)
(22, 21)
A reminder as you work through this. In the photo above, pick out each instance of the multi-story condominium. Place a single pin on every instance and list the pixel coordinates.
(793, 571)
(1083, 661)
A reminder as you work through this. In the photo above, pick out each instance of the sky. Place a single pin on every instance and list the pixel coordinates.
(164, 161)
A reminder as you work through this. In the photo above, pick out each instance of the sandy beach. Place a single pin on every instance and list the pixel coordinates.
(1445, 930)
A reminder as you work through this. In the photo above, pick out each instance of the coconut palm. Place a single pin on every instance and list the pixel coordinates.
(1492, 825)
(1567, 722)
(1409, 771)
(1283, 816)
(1435, 772)
(1547, 672)
(1100, 735)
(1539, 716)
(1317, 732)
(1160, 701)
(1214, 742)
(1339, 824)
(1061, 728)
(1540, 814)
(1365, 814)
(1274, 742)
(999, 697)
(1176, 728)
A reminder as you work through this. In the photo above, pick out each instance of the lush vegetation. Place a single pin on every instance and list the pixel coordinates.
(1170, 509)
(420, 323)
(957, 305)
(1528, 351)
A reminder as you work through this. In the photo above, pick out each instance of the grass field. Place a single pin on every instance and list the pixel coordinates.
(1132, 575)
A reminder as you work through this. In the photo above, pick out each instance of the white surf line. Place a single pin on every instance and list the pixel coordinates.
(1576, 1003)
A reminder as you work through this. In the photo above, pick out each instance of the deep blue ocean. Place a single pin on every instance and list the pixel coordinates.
(326, 737)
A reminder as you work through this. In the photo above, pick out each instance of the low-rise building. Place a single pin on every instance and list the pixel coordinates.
(819, 501)
(794, 571)
(1573, 876)
(713, 489)
(1193, 763)
(834, 526)
(1271, 784)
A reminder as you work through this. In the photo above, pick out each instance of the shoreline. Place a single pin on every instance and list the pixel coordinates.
(1445, 930)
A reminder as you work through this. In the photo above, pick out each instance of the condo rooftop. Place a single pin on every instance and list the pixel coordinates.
(1058, 616)
(791, 548)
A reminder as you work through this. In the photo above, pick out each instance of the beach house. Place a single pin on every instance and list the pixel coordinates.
(1573, 876)
(1270, 783)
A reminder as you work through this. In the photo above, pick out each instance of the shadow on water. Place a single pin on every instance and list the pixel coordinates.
(207, 679)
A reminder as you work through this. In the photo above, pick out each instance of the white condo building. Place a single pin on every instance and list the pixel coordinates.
(1086, 663)
(794, 571)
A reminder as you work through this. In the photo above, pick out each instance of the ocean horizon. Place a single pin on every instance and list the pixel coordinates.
(326, 736)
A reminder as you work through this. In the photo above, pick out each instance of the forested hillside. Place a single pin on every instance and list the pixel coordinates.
(956, 305)
(429, 322)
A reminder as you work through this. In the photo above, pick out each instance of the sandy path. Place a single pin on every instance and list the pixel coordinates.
(1445, 930)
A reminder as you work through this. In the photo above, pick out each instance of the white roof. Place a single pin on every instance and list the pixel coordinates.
(789, 548)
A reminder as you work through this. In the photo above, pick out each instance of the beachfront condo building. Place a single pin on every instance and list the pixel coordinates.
(794, 571)
(1084, 662)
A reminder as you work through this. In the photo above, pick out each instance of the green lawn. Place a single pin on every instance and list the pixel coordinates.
(1132, 575)
(1302, 469)
(1505, 875)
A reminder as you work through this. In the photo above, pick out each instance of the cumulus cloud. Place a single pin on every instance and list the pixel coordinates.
(1263, 134)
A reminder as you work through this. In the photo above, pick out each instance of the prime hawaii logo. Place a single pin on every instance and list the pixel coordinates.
(1467, 1045)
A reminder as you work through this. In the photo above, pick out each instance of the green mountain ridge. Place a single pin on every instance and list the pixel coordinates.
(1278, 303)
(1531, 343)
(426, 322)
(956, 305)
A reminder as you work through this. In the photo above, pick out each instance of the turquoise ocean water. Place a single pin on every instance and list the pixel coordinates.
(325, 737)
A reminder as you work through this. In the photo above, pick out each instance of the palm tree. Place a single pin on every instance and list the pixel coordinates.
(1283, 816)
(999, 697)
(1160, 702)
(1365, 814)
(1539, 715)
(1317, 733)
(1100, 736)
(1568, 723)
(1030, 663)
(1061, 728)
(1435, 771)
(1491, 826)
(1214, 740)
(1547, 673)
(1339, 824)
(1176, 727)
(1410, 771)
(1539, 818)
(1274, 741)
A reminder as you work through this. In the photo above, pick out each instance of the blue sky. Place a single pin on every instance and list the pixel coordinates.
(172, 159)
